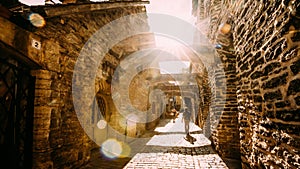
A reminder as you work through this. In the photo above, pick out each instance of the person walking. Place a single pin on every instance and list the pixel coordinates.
(186, 117)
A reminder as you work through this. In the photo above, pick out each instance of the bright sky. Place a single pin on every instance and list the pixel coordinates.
(178, 8)
(36, 2)
(174, 67)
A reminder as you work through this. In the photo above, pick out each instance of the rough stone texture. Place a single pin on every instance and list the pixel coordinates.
(267, 71)
(260, 58)
(130, 95)
(225, 133)
(266, 58)
(161, 150)
(266, 40)
(222, 123)
(59, 139)
(141, 98)
(204, 100)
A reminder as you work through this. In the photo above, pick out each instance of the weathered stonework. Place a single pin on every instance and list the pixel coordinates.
(59, 140)
(258, 51)
(204, 101)
(222, 122)
(267, 47)
(137, 94)
(263, 54)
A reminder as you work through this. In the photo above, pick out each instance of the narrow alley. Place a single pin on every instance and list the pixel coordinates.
(98, 83)
(166, 147)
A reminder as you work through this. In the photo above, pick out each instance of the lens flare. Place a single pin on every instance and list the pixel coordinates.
(111, 148)
(37, 20)
(126, 150)
(122, 122)
(131, 120)
(89, 60)
(101, 124)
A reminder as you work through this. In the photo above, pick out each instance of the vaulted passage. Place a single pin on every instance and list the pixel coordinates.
(109, 84)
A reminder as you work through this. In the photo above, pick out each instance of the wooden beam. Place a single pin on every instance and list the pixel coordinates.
(178, 93)
(173, 77)
(67, 9)
(174, 88)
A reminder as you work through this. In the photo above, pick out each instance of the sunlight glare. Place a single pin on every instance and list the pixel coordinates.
(178, 8)
(162, 41)
(37, 2)
(131, 120)
(174, 67)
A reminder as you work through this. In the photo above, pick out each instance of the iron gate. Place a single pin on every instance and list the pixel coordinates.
(16, 114)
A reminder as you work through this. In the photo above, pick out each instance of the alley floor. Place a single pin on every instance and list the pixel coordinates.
(166, 147)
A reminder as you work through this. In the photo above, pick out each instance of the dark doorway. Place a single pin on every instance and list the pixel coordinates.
(16, 113)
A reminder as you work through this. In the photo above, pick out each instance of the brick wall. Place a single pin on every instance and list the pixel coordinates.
(266, 40)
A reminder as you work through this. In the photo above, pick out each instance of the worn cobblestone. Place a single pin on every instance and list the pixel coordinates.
(157, 153)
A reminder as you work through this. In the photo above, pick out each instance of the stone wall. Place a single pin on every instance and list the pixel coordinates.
(145, 99)
(59, 139)
(266, 40)
(224, 116)
(131, 87)
(204, 101)
(222, 121)
(263, 54)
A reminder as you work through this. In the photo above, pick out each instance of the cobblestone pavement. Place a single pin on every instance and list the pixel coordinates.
(165, 147)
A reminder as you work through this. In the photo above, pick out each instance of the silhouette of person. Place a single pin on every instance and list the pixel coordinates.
(186, 117)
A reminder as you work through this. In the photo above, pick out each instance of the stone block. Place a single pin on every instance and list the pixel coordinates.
(297, 100)
(282, 104)
(270, 96)
(289, 115)
(42, 74)
(294, 87)
(43, 83)
(43, 93)
(295, 67)
(275, 82)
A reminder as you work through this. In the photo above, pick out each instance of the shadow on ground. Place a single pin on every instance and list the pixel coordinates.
(165, 147)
